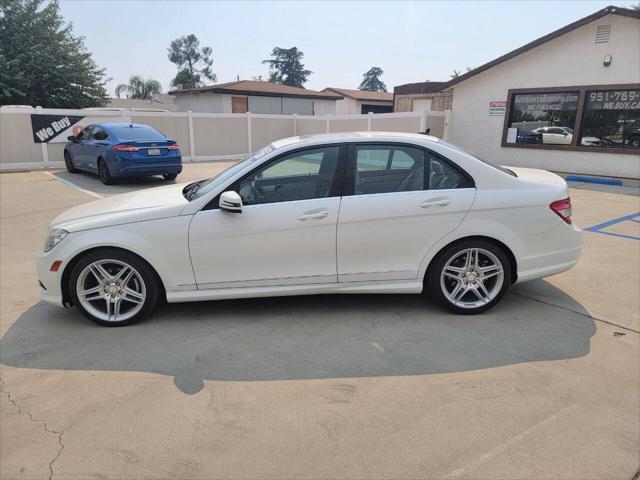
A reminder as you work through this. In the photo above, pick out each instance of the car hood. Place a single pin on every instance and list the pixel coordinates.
(131, 207)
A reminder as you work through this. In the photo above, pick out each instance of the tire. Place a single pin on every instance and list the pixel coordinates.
(114, 288)
(68, 162)
(103, 172)
(170, 176)
(634, 142)
(483, 287)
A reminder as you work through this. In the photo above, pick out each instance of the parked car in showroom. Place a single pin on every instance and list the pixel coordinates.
(555, 135)
(118, 150)
(364, 212)
(631, 134)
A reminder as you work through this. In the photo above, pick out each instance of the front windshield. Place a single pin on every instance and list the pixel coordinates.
(494, 165)
(214, 182)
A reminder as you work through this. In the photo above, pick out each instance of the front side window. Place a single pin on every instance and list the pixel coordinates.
(611, 119)
(388, 168)
(301, 175)
(546, 118)
(84, 134)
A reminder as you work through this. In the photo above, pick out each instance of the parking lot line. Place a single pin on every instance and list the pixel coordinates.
(73, 185)
(601, 226)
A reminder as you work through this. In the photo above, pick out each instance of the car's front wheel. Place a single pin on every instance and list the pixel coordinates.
(113, 287)
(170, 176)
(469, 277)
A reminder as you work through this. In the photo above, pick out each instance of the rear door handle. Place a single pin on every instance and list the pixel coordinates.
(437, 202)
(314, 214)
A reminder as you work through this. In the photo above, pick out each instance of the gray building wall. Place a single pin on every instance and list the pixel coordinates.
(200, 102)
(272, 105)
(301, 106)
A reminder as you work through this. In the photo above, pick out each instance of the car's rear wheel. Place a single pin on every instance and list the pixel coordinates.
(68, 163)
(113, 288)
(103, 171)
(170, 176)
(469, 277)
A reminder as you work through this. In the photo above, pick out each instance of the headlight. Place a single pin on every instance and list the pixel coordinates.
(54, 238)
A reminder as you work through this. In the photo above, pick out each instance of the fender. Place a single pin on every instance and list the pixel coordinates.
(170, 258)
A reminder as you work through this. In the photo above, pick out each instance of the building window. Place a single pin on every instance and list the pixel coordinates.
(611, 119)
(239, 104)
(603, 118)
(547, 118)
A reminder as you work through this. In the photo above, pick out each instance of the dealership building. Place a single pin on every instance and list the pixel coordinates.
(568, 101)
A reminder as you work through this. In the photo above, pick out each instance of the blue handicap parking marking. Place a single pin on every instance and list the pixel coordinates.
(600, 228)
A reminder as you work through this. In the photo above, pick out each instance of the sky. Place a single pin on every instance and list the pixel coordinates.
(410, 41)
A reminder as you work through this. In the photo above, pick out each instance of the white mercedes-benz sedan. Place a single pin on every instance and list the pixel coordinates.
(367, 212)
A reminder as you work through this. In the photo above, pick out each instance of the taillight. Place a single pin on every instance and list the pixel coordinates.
(562, 208)
(175, 146)
(125, 147)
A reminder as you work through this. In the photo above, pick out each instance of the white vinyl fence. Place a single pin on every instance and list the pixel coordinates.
(202, 136)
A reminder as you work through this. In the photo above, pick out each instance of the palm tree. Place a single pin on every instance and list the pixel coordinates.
(139, 88)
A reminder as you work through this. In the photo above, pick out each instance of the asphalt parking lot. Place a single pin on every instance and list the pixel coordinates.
(546, 385)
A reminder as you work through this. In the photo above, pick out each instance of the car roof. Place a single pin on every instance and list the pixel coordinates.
(121, 124)
(352, 137)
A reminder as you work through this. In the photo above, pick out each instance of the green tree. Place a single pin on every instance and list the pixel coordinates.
(139, 88)
(371, 80)
(457, 73)
(42, 62)
(194, 63)
(285, 67)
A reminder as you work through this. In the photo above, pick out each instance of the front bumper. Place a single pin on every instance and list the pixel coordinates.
(50, 282)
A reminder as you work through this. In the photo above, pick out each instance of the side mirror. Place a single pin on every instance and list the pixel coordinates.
(71, 138)
(231, 202)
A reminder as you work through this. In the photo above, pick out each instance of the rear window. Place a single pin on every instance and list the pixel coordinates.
(127, 132)
(483, 160)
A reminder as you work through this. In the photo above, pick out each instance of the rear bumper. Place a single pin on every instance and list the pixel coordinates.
(134, 169)
(549, 253)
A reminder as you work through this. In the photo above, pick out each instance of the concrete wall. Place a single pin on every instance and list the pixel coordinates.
(572, 59)
(299, 106)
(207, 102)
(411, 102)
(202, 136)
(269, 105)
(350, 106)
(324, 107)
(346, 106)
(200, 102)
(159, 102)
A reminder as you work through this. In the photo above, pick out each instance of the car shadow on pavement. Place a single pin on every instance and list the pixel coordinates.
(92, 183)
(311, 337)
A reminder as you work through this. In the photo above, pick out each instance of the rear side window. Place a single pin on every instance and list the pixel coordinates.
(128, 132)
(391, 168)
(99, 134)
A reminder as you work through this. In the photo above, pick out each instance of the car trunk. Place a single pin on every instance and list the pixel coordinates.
(151, 150)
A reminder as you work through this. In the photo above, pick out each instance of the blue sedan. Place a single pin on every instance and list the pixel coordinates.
(116, 150)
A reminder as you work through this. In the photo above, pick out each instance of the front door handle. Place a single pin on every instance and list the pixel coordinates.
(314, 214)
(436, 202)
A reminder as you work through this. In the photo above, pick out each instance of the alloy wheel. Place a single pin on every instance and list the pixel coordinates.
(472, 278)
(111, 290)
